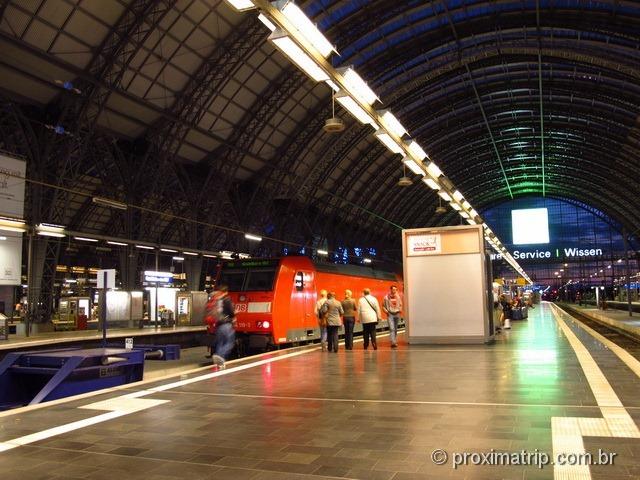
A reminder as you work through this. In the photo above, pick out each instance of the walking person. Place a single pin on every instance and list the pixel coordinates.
(350, 308)
(322, 322)
(225, 332)
(333, 309)
(369, 315)
(392, 306)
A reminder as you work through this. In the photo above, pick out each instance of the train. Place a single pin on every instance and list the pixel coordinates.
(275, 298)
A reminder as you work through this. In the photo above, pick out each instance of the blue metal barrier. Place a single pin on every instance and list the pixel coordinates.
(28, 378)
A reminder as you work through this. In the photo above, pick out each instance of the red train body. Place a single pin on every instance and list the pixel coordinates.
(275, 298)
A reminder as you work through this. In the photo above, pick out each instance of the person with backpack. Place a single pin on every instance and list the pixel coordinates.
(332, 308)
(369, 315)
(224, 314)
(322, 319)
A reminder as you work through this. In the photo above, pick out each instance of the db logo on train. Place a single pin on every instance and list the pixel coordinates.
(241, 307)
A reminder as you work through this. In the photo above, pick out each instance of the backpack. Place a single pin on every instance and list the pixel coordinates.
(323, 314)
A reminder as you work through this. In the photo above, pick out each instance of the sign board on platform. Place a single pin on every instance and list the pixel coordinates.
(111, 279)
(424, 244)
(12, 173)
(10, 258)
(128, 343)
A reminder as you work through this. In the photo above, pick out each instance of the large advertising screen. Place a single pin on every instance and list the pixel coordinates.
(530, 226)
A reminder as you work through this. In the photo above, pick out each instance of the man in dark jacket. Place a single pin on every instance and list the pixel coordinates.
(225, 333)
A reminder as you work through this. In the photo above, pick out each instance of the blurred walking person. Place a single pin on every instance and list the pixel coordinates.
(225, 333)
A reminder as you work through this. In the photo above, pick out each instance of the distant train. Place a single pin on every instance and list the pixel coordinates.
(275, 299)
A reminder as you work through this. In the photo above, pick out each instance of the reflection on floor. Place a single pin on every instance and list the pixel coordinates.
(358, 414)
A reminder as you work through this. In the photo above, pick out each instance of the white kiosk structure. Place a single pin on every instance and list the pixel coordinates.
(446, 285)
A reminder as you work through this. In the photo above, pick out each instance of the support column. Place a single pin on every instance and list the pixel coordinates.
(37, 250)
(129, 268)
(193, 271)
(626, 258)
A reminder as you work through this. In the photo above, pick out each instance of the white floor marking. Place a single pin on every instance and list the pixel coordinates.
(567, 432)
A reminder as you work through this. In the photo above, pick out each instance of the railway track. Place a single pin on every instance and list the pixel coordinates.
(623, 339)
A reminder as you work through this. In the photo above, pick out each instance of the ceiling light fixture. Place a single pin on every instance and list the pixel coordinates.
(50, 230)
(290, 49)
(351, 106)
(416, 150)
(391, 123)
(254, 238)
(431, 183)
(305, 27)
(106, 202)
(445, 196)
(356, 86)
(389, 142)
(413, 166)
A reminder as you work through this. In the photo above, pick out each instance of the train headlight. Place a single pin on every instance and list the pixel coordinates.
(266, 324)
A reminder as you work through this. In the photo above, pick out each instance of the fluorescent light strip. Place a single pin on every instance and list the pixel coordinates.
(416, 150)
(178, 259)
(366, 260)
(241, 5)
(434, 171)
(306, 27)
(193, 254)
(323, 252)
(357, 87)
(389, 142)
(333, 85)
(209, 256)
(85, 239)
(455, 206)
(121, 244)
(463, 214)
(168, 250)
(289, 48)
(431, 183)
(413, 166)
(255, 238)
(268, 23)
(145, 247)
(445, 196)
(457, 196)
(392, 123)
(359, 113)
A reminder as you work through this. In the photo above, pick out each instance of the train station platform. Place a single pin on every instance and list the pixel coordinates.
(616, 319)
(79, 337)
(547, 390)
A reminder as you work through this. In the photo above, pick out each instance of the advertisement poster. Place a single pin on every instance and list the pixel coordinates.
(12, 173)
(10, 258)
(424, 244)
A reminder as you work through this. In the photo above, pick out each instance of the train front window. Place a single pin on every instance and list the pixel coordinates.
(234, 279)
(260, 280)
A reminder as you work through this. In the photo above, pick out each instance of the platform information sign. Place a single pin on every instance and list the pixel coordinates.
(12, 172)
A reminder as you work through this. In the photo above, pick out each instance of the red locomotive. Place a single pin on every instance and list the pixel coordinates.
(275, 299)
